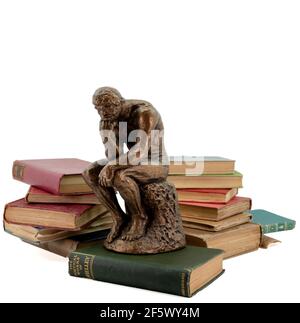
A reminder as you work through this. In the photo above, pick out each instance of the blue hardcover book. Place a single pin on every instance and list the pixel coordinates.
(271, 222)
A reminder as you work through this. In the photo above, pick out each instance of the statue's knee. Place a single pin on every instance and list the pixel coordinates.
(120, 180)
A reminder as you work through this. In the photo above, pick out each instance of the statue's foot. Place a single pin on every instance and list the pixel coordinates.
(136, 231)
(114, 232)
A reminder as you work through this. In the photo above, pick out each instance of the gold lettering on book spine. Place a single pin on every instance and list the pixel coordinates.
(88, 267)
(75, 267)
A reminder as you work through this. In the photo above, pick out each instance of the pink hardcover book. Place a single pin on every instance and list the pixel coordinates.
(235, 200)
(57, 176)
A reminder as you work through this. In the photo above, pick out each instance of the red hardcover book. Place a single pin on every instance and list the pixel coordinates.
(57, 176)
(214, 211)
(63, 216)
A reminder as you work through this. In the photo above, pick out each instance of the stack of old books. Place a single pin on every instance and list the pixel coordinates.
(212, 213)
(59, 211)
(62, 215)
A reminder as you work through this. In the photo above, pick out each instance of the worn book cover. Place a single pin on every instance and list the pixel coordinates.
(63, 216)
(57, 176)
(214, 211)
(37, 195)
(267, 242)
(234, 180)
(182, 272)
(234, 241)
(64, 247)
(206, 195)
(216, 226)
(271, 222)
(38, 234)
(198, 165)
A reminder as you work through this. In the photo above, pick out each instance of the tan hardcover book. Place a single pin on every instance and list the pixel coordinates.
(61, 216)
(214, 211)
(234, 180)
(215, 226)
(40, 234)
(60, 247)
(65, 247)
(234, 241)
(267, 242)
(200, 165)
(36, 195)
(206, 195)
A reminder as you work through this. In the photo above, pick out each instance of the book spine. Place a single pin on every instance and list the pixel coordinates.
(39, 177)
(60, 247)
(276, 227)
(129, 274)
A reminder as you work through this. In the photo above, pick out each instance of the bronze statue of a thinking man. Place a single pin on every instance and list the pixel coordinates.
(137, 125)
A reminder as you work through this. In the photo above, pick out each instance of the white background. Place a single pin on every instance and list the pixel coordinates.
(223, 74)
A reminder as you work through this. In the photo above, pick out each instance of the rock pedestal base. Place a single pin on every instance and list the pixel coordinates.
(164, 229)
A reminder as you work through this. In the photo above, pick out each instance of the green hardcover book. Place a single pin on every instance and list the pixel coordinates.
(271, 222)
(183, 272)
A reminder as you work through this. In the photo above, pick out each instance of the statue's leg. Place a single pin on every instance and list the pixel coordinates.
(127, 183)
(107, 196)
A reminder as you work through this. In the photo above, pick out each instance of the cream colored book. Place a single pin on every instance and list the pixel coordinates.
(215, 226)
(234, 180)
(59, 216)
(204, 165)
(206, 195)
(214, 211)
(39, 234)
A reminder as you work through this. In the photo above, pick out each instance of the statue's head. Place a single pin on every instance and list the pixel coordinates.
(108, 103)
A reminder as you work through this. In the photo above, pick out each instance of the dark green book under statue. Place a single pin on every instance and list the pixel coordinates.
(183, 272)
